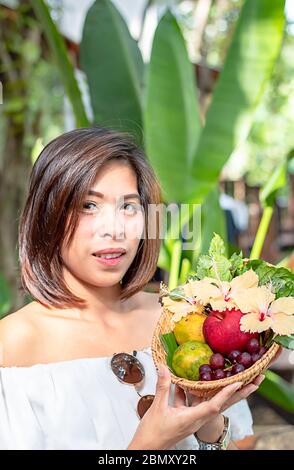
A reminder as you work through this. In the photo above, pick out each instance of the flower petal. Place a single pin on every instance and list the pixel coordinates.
(177, 306)
(220, 304)
(247, 280)
(203, 291)
(250, 322)
(189, 289)
(256, 299)
(283, 324)
(283, 305)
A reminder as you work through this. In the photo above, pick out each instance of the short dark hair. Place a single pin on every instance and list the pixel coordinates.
(59, 181)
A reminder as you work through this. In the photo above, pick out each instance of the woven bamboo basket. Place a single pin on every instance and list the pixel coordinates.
(201, 388)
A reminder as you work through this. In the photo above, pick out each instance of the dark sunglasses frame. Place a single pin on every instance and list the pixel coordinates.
(129, 370)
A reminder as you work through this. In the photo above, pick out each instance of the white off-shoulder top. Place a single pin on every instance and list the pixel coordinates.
(80, 404)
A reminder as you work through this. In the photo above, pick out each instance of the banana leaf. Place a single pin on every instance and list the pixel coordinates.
(254, 49)
(171, 119)
(114, 68)
(65, 67)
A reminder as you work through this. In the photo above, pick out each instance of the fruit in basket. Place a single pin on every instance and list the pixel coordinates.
(188, 358)
(253, 345)
(217, 361)
(222, 331)
(220, 367)
(190, 328)
(248, 306)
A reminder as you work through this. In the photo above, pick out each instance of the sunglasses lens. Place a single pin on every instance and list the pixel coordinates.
(127, 368)
(144, 404)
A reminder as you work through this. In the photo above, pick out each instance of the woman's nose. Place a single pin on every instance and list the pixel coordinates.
(109, 223)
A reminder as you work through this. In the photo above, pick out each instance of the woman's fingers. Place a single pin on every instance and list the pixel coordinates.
(208, 409)
(257, 381)
(179, 397)
(240, 395)
(192, 392)
(162, 387)
(244, 392)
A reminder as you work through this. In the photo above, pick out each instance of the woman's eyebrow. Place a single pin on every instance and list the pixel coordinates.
(125, 196)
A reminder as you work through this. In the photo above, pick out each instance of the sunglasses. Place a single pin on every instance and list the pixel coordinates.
(129, 370)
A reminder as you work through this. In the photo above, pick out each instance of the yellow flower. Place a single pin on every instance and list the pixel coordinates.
(221, 294)
(265, 312)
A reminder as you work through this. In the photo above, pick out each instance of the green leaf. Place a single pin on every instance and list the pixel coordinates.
(170, 345)
(281, 279)
(177, 294)
(114, 68)
(255, 46)
(175, 264)
(31, 51)
(237, 262)
(277, 181)
(277, 390)
(221, 268)
(285, 341)
(204, 266)
(65, 67)
(5, 297)
(171, 118)
(216, 264)
(164, 258)
(212, 220)
(185, 269)
(217, 247)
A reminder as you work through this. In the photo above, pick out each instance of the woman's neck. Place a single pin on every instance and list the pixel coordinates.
(102, 303)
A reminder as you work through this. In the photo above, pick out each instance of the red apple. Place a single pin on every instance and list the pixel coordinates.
(222, 331)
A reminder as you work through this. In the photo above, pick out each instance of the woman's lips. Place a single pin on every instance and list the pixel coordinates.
(110, 261)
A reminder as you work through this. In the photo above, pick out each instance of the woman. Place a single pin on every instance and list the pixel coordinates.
(85, 257)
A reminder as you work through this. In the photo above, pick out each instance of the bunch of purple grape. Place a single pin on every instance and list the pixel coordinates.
(220, 367)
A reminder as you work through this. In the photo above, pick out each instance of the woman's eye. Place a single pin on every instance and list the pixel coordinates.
(87, 205)
(130, 208)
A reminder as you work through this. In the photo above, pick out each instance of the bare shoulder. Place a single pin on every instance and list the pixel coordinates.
(17, 333)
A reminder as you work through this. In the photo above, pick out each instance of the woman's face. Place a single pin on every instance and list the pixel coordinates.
(112, 220)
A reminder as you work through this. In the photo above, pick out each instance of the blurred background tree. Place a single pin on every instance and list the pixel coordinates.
(208, 27)
(28, 115)
(41, 99)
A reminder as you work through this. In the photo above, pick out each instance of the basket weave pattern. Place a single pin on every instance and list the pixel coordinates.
(201, 388)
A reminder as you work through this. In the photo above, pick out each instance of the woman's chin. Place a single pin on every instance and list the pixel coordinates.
(111, 282)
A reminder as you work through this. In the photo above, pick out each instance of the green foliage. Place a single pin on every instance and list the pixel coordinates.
(26, 104)
(5, 297)
(277, 390)
(114, 68)
(271, 137)
(187, 159)
(65, 67)
(280, 279)
(169, 343)
(171, 119)
(285, 341)
(212, 220)
(216, 264)
(276, 182)
(239, 89)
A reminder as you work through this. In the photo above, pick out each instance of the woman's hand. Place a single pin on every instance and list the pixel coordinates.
(212, 430)
(164, 425)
